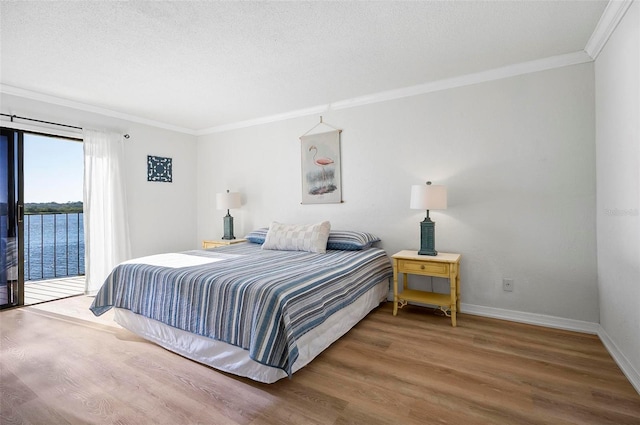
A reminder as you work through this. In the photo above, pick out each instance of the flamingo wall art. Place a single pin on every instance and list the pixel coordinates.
(321, 168)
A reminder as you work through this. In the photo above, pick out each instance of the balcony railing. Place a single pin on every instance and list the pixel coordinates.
(53, 245)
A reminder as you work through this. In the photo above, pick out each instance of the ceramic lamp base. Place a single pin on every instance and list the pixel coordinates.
(228, 227)
(427, 237)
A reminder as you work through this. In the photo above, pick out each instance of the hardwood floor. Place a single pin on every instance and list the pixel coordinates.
(410, 369)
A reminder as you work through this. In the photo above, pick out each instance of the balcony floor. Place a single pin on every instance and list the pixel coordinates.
(39, 291)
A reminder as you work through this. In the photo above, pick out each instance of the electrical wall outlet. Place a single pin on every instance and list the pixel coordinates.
(507, 285)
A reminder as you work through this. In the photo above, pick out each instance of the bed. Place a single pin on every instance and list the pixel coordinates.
(243, 309)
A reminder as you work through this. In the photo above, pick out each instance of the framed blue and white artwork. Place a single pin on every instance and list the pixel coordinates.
(159, 169)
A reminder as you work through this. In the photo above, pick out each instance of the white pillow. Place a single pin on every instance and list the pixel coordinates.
(298, 237)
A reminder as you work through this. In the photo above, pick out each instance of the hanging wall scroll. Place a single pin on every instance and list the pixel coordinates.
(321, 180)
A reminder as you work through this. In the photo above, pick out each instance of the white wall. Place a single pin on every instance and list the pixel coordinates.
(517, 156)
(162, 216)
(618, 187)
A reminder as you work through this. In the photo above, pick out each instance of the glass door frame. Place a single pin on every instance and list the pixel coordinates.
(15, 213)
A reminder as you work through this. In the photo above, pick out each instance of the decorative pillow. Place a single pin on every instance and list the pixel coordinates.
(349, 240)
(345, 240)
(258, 235)
(298, 237)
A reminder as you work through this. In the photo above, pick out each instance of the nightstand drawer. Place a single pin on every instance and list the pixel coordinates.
(424, 267)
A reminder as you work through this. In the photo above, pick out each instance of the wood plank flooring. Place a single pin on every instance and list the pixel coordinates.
(410, 369)
(38, 291)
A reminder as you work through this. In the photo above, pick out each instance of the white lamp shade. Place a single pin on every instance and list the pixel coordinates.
(428, 197)
(228, 201)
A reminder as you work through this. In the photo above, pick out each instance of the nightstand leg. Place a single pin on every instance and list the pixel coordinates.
(395, 287)
(454, 300)
(457, 288)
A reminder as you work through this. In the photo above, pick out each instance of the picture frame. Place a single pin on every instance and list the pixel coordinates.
(159, 169)
(321, 168)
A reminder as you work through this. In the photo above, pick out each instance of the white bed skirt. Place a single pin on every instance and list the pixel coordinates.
(232, 359)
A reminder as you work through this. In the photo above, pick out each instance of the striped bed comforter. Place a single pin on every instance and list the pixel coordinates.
(259, 300)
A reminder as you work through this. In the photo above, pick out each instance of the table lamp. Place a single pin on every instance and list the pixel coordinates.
(428, 197)
(227, 201)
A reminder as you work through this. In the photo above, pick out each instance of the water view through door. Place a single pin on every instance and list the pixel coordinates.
(53, 255)
(41, 218)
(53, 220)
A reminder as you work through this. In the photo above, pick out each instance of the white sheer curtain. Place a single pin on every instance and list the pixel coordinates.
(106, 229)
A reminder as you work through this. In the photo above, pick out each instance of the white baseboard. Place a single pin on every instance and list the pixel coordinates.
(522, 317)
(561, 323)
(623, 363)
(531, 318)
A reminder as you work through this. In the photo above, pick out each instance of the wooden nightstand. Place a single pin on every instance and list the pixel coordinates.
(219, 243)
(444, 264)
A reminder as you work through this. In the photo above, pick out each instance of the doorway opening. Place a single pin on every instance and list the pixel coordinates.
(41, 218)
(53, 218)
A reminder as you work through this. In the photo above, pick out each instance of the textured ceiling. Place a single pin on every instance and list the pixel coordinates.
(197, 65)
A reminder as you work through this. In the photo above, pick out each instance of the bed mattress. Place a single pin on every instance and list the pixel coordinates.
(271, 305)
(235, 360)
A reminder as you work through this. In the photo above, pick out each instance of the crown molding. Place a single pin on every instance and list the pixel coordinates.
(264, 120)
(544, 64)
(15, 91)
(611, 17)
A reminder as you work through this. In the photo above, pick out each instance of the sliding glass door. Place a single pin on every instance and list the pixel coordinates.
(11, 219)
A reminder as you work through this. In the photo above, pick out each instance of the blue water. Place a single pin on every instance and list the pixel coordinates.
(53, 236)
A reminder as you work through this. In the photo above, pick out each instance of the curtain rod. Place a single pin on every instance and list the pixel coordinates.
(44, 122)
(126, 136)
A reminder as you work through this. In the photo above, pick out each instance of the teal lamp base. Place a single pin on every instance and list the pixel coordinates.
(228, 227)
(427, 237)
